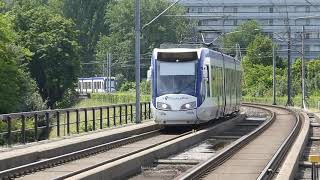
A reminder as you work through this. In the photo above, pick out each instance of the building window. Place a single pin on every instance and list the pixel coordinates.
(307, 47)
(302, 9)
(235, 22)
(266, 9)
(308, 9)
(230, 22)
(269, 34)
(270, 9)
(235, 10)
(204, 22)
(307, 35)
(301, 22)
(270, 21)
(230, 9)
(297, 35)
(192, 9)
(307, 21)
(199, 10)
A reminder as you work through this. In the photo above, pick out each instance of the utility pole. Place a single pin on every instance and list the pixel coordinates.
(137, 58)
(274, 74)
(109, 71)
(289, 102)
(103, 69)
(303, 70)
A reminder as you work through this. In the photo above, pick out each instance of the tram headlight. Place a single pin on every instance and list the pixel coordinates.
(163, 106)
(187, 106)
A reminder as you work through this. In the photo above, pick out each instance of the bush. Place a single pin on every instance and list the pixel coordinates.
(118, 98)
(128, 86)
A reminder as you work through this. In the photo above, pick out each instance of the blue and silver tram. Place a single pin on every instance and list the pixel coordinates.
(192, 86)
(96, 85)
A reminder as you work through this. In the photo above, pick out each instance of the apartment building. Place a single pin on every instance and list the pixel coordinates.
(276, 18)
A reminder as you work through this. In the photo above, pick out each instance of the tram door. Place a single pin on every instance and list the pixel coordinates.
(206, 75)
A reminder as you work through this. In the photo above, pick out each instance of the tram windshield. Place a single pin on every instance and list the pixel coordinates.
(176, 78)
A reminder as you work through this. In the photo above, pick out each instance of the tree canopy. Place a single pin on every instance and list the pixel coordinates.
(119, 18)
(52, 39)
(88, 17)
(18, 91)
(242, 35)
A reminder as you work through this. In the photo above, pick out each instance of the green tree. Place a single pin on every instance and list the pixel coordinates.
(18, 92)
(242, 35)
(259, 51)
(313, 76)
(120, 42)
(52, 40)
(296, 77)
(89, 19)
(257, 69)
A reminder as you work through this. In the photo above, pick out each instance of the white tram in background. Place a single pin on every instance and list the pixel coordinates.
(192, 86)
(96, 85)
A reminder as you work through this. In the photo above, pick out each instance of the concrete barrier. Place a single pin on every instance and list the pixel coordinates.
(47, 149)
(131, 165)
(291, 163)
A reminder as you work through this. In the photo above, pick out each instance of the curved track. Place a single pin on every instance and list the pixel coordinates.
(256, 155)
(260, 151)
(67, 164)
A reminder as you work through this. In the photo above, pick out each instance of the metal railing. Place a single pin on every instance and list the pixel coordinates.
(25, 127)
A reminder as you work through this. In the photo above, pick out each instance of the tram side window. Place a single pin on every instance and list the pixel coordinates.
(208, 82)
(227, 82)
(220, 82)
(214, 77)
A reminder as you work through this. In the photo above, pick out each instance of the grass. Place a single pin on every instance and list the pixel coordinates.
(100, 99)
(94, 101)
(312, 101)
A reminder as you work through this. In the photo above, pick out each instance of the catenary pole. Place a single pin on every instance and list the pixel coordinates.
(302, 69)
(109, 76)
(137, 58)
(274, 75)
(108, 64)
(289, 102)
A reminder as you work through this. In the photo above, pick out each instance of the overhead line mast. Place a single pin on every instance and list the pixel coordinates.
(137, 58)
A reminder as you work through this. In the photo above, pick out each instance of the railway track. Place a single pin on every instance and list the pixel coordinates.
(76, 164)
(312, 147)
(256, 155)
(68, 165)
(174, 165)
(77, 161)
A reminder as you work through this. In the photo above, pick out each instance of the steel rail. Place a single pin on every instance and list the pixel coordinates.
(54, 161)
(120, 157)
(221, 157)
(270, 170)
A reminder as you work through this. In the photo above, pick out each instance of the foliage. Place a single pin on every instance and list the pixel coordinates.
(18, 91)
(128, 86)
(145, 87)
(119, 18)
(70, 98)
(313, 76)
(242, 35)
(257, 79)
(52, 40)
(89, 19)
(260, 51)
(120, 81)
(282, 100)
(97, 99)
